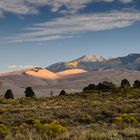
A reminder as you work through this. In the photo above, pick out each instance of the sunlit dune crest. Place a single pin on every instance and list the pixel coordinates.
(70, 72)
(42, 73)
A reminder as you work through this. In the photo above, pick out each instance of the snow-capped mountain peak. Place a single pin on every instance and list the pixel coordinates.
(92, 58)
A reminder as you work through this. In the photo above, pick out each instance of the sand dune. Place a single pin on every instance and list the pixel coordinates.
(42, 73)
(70, 72)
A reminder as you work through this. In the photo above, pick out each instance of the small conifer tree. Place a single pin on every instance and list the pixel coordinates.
(62, 93)
(125, 83)
(136, 84)
(9, 94)
(29, 92)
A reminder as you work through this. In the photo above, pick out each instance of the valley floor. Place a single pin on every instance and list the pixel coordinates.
(70, 81)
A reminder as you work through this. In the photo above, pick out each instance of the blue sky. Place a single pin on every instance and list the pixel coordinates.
(42, 32)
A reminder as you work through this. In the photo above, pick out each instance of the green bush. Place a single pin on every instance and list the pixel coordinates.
(52, 130)
(125, 119)
(3, 131)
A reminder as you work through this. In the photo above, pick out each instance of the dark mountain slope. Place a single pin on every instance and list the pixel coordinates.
(130, 62)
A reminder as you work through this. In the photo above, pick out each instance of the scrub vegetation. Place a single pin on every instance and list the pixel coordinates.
(101, 112)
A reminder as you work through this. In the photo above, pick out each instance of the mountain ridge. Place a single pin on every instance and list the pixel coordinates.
(97, 63)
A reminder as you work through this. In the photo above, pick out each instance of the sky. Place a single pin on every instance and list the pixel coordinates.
(43, 32)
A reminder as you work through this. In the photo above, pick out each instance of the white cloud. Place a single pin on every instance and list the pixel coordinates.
(25, 7)
(17, 7)
(20, 67)
(69, 26)
(126, 1)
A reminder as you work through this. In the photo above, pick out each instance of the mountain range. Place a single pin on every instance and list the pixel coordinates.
(72, 76)
(98, 63)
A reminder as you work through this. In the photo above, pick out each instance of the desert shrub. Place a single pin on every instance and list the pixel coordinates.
(3, 131)
(17, 122)
(3, 101)
(29, 121)
(62, 114)
(125, 119)
(108, 114)
(118, 120)
(127, 108)
(52, 130)
(9, 94)
(1, 111)
(29, 92)
(19, 136)
(100, 135)
(131, 132)
(62, 93)
(26, 134)
(85, 119)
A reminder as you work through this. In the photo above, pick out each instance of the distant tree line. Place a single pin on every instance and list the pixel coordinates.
(102, 86)
(109, 86)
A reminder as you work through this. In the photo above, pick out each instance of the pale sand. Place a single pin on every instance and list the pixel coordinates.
(42, 73)
(67, 73)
